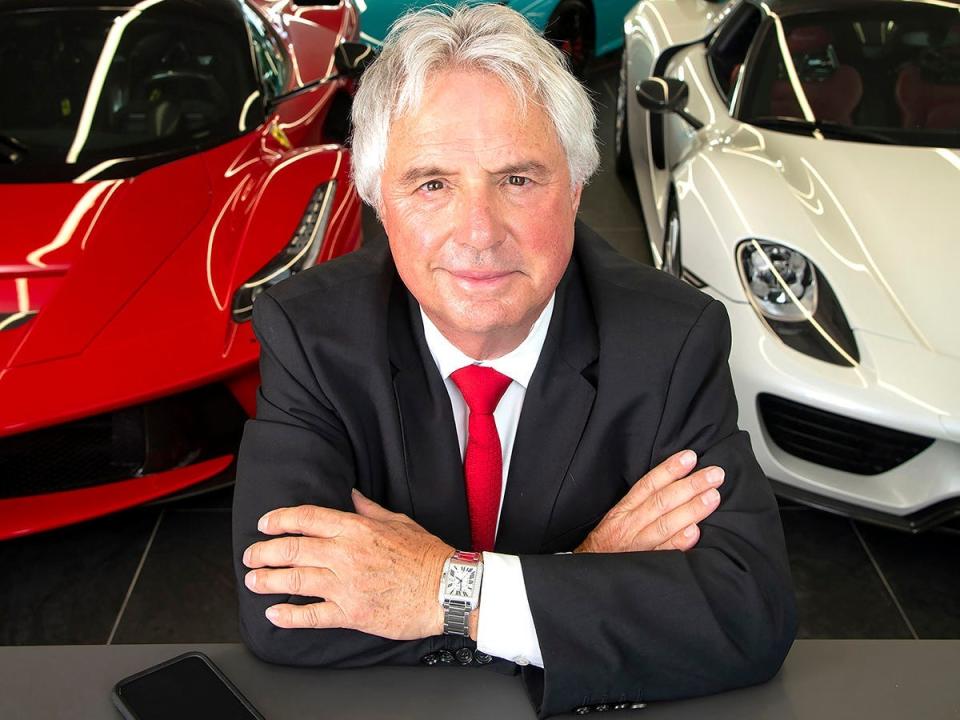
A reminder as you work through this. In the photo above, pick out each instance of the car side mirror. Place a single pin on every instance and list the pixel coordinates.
(351, 59)
(666, 95)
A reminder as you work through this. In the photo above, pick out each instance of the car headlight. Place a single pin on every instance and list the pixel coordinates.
(795, 301)
(301, 252)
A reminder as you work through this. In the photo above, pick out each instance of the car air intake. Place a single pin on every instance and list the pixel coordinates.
(128, 443)
(836, 441)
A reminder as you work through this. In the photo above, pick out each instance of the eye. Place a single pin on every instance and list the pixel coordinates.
(518, 180)
(432, 185)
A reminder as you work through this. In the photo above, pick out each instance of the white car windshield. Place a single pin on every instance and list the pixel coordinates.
(883, 73)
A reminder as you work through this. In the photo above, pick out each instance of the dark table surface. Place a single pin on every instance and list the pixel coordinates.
(821, 680)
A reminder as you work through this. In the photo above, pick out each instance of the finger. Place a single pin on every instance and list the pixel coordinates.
(315, 615)
(673, 468)
(683, 540)
(304, 520)
(305, 581)
(369, 509)
(286, 552)
(678, 492)
(690, 513)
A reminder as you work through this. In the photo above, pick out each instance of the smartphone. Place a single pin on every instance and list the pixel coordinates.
(187, 687)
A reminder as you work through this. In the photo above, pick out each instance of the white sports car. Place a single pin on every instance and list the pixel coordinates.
(797, 160)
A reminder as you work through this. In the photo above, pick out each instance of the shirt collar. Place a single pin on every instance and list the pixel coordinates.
(518, 364)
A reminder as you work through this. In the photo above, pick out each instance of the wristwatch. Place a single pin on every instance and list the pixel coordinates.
(460, 591)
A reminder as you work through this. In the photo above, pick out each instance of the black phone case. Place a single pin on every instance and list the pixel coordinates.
(128, 713)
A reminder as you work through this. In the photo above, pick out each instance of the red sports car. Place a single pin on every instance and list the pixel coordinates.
(161, 163)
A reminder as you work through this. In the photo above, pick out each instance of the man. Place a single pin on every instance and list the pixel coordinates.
(497, 378)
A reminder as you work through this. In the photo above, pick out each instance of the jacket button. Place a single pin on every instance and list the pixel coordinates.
(621, 706)
(445, 657)
(430, 659)
(602, 707)
(582, 710)
(482, 658)
(464, 656)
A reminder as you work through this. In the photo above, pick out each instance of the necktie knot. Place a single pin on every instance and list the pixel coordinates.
(481, 387)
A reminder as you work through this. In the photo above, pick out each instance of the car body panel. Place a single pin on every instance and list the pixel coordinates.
(877, 220)
(129, 282)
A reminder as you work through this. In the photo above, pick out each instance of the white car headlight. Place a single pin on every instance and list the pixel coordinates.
(783, 282)
(794, 299)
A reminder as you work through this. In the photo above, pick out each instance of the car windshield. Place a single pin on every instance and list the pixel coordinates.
(886, 73)
(121, 89)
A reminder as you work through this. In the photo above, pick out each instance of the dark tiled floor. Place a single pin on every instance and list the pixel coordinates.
(163, 574)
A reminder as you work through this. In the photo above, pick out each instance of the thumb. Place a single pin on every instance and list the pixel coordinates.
(368, 508)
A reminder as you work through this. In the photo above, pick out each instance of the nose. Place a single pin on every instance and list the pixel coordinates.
(480, 224)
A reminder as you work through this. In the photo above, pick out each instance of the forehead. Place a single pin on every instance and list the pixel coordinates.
(472, 113)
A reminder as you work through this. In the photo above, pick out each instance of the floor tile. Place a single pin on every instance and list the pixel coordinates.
(839, 593)
(186, 590)
(66, 586)
(924, 573)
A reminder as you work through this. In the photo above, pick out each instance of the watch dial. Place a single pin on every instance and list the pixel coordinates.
(460, 581)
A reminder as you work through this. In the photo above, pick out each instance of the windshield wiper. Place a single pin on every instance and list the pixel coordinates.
(827, 127)
(11, 149)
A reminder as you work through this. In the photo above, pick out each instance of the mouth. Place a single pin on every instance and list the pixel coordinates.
(480, 279)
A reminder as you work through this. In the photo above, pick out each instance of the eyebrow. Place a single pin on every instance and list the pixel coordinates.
(419, 173)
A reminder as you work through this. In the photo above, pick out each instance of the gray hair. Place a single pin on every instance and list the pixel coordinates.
(491, 38)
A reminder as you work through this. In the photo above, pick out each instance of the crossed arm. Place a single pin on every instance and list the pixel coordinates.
(379, 571)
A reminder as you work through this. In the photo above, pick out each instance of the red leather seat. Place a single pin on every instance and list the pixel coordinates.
(832, 97)
(926, 103)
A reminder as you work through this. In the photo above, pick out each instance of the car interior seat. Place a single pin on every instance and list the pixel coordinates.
(928, 90)
(832, 89)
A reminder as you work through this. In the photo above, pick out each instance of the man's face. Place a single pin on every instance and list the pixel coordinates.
(479, 210)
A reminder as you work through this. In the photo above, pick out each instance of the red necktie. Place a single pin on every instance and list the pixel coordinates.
(482, 388)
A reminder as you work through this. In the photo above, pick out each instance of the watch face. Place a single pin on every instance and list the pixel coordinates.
(460, 581)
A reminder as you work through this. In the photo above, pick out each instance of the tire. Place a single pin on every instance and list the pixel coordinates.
(570, 28)
(670, 253)
(621, 137)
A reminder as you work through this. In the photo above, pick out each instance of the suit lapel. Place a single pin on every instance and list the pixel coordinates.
(556, 407)
(431, 451)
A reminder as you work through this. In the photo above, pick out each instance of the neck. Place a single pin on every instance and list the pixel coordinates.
(486, 346)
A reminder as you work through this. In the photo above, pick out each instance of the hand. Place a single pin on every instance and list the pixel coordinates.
(661, 511)
(377, 571)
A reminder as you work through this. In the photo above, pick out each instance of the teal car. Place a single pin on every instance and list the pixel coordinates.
(581, 28)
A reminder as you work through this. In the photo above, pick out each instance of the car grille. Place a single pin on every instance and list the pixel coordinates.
(161, 435)
(836, 441)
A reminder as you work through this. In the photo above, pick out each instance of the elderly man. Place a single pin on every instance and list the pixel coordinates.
(490, 439)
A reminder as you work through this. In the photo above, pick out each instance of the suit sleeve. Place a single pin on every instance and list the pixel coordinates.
(646, 626)
(296, 452)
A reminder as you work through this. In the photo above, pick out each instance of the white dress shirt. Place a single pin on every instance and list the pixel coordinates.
(506, 628)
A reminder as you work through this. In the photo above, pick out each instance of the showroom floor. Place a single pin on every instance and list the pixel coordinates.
(163, 574)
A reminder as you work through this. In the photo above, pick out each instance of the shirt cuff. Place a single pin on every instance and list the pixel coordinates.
(506, 628)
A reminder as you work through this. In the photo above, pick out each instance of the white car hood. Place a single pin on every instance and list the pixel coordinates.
(880, 221)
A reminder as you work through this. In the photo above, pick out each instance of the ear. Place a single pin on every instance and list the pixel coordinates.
(575, 194)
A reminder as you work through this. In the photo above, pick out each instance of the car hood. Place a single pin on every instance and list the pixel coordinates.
(72, 254)
(879, 221)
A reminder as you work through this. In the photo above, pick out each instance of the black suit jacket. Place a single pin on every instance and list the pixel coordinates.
(634, 368)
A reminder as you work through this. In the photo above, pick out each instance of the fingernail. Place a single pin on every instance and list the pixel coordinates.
(688, 458)
(246, 557)
(272, 614)
(715, 476)
(250, 579)
(710, 497)
(690, 531)
(262, 523)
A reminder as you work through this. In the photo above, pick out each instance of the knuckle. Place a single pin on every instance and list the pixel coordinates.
(290, 549)
(305, 516)
(295, 581)
(660, 502)
(311, 615)
(663, 528)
